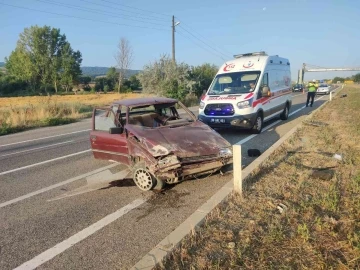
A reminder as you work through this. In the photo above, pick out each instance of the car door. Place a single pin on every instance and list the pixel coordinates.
(105, 145)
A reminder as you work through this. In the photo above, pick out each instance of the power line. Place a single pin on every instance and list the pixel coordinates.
(135, 8)
(202, 47)
(204, 42)
(182, 22)
(102, 5)
(81, 18)
(94, 11)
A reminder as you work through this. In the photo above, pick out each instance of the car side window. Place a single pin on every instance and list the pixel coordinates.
(104, 120)
(265, 80)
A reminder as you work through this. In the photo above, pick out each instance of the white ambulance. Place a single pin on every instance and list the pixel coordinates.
(248, 91)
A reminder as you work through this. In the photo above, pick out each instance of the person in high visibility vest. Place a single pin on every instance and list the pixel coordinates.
(312, 87)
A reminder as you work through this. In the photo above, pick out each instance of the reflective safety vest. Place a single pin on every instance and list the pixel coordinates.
(312, 87)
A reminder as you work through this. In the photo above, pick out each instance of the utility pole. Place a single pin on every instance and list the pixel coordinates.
(173, 38)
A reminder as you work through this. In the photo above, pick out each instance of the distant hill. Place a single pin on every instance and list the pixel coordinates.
(98, 71)
(94, 71)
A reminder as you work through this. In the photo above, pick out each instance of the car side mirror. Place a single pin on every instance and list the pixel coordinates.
(116, 130)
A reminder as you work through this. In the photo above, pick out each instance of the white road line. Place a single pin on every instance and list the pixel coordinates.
(44, 162)
(76, 238)
(43, 138)
(24, 151)
(37, 192)
(273, 124)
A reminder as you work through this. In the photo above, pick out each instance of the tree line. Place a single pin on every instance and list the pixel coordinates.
(355, 78)
(44, 62)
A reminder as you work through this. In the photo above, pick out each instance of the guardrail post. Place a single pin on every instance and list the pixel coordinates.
(237, 168)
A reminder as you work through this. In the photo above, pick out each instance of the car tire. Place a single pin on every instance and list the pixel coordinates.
(285, 113)
(160, 184)
(143, 179)
(258, 125)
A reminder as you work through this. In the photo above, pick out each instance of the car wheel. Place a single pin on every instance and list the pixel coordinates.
(285, 114)
(258, 124)
(160, 184)
(143, 179)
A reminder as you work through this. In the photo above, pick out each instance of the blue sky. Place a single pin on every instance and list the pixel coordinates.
(319, 32)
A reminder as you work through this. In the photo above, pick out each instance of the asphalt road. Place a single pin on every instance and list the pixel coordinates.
(108, 228)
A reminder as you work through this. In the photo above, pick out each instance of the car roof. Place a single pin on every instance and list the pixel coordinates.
(133, 102)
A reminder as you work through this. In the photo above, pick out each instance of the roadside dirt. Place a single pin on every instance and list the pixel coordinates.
(300, 210)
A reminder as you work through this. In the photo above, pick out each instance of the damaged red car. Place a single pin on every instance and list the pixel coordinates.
(160, 139)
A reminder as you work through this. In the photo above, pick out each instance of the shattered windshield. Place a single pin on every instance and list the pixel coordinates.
(234, 83)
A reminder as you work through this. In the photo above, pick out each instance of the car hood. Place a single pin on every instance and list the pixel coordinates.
(195, 139)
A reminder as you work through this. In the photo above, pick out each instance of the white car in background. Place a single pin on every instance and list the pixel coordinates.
(323, 89)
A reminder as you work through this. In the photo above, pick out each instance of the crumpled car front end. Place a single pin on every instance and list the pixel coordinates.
(174, 169)
(184, 152)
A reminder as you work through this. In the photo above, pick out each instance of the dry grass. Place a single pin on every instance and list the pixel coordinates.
(90, 99)
(319, 226)
(19, 113)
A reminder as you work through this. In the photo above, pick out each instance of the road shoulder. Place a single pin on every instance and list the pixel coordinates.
(164, 248)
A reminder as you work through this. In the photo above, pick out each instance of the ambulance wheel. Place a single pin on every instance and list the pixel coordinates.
(285, 114)
(259, 122)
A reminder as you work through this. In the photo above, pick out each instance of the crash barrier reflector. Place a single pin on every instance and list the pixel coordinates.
(237, 168)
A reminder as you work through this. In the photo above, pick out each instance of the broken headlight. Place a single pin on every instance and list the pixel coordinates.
(225, 152)
(169, 160)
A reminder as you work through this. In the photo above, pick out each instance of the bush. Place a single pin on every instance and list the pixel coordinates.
(125, 89)
(10, 86)
(190, 100)
(66, 93)
(87, 88)
(56, 121)
(85, 109)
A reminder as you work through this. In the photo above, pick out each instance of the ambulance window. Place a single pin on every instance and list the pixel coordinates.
(265, 80)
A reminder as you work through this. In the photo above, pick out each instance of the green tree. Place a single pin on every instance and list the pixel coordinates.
(100, 83)
(336, 79)
(70, 67)
(134, 82)
(19, 65)
(164, 77)
(202, 77)
(112, 77)
(42, 57)
(85, 80)
(356, 78)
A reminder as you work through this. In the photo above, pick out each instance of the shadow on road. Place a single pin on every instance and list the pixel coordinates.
(127, 182)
